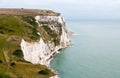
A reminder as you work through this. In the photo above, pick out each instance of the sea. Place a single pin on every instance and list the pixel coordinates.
(94, 53)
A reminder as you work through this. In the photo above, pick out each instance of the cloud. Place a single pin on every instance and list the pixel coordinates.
(69, 4)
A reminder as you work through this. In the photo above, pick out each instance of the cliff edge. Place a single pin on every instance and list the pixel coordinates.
(30, 38)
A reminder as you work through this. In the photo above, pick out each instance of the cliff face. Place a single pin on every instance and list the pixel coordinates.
(53, 37)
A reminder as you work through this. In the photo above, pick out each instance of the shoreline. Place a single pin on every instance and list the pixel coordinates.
(57, 52)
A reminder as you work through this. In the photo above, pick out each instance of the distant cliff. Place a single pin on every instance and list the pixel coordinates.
(30, 36)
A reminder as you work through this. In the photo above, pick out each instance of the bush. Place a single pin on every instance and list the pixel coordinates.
(4, 76)
(12, 64)
(18, 53)
(0, 61)
(43, 72)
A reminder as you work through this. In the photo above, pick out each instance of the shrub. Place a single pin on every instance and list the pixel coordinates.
(0, 61)
(12, 64)
(1, 32)
(44, 72)
(4, 76)
(18, 53)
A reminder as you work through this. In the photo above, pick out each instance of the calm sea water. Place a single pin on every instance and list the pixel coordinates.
(95, 52)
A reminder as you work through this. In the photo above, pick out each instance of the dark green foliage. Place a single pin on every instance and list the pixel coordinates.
(18, 53)
(1, 32)
(0, 61)
(4, 76)
(12, 64)
(44, 72)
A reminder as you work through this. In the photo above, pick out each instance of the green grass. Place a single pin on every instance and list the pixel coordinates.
(2, 45)
(30, 19)
(4, 76)
(3, 66)
(26, 70)
(15, 25)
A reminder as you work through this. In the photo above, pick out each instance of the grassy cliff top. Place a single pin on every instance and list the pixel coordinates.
(22, 11)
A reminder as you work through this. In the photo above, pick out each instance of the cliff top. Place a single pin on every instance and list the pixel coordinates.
(22, 11)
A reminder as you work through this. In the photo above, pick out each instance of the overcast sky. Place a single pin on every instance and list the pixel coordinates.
(72, 9)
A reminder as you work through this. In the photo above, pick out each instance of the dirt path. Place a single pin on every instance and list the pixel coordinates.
(7, 59)
(22, 11)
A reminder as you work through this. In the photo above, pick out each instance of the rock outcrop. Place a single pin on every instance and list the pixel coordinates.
(53, 37)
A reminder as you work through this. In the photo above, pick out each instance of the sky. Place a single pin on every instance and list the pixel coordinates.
(72, 9)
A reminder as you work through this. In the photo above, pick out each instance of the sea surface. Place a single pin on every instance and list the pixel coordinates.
(95, 52)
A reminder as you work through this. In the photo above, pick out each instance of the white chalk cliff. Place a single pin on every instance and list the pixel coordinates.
(53, 37)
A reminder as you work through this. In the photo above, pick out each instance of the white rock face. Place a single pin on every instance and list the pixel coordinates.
(55, 76)
(35, 52)
(40, 52)
(50, 18)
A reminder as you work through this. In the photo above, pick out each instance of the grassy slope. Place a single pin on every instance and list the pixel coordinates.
(12, 29)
